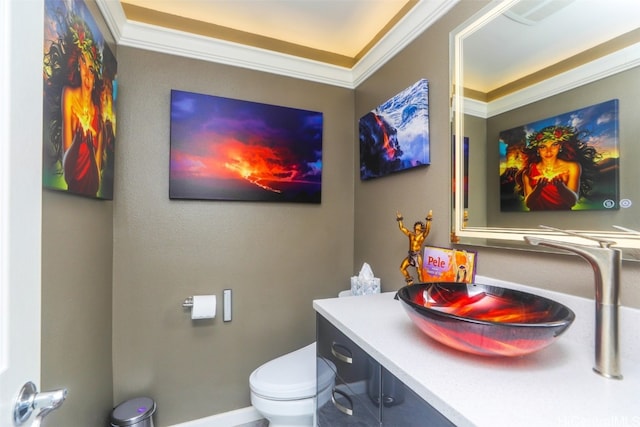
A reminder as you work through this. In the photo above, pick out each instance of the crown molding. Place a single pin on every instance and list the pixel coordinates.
(421, 17)
(173, 42)
(608, 65)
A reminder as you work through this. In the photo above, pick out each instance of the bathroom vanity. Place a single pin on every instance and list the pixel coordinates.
(423, 383)
(361, 384)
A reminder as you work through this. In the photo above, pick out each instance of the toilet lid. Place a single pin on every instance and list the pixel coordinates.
(292, 376)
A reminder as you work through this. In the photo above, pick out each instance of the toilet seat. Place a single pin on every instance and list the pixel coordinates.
(292, 376)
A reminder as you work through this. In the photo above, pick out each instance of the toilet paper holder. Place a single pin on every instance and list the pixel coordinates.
(201, 306)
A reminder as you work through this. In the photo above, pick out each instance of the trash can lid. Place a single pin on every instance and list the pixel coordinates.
(132, 411)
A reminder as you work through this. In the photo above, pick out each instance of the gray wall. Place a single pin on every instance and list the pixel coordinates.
(150, 253)
(414, 192)
(378, 240)
(275, 257)
(77, 248)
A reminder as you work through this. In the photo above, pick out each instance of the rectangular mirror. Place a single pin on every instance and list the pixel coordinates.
(526, 79)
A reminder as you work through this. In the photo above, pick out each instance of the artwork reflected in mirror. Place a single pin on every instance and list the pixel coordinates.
(465, 175)
(229, 149)
(395, 135)
(568, 162)
(80, 90)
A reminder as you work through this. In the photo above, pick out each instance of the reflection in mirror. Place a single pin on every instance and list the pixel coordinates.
(534, 73)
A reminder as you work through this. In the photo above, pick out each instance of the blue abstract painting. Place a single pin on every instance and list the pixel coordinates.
(395, 135)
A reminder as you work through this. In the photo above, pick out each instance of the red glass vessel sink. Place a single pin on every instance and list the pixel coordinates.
(483, 319)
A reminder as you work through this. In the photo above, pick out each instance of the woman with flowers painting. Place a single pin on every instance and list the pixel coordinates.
(81, 133)
(79, 95)
(553, 177)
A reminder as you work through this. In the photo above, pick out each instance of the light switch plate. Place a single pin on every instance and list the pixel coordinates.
(226, 308)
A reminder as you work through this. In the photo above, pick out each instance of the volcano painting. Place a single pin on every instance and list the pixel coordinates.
(228, 149)
(395, 135)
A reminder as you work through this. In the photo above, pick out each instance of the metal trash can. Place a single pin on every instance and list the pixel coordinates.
(136, 412)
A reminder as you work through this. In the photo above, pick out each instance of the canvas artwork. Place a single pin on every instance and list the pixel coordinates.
(80, 91)
(568, 162)
(466, 172)
(395, 135)
(228, 149)
(465, 161)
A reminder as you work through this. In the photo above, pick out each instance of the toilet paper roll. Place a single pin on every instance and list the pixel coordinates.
(204, 307)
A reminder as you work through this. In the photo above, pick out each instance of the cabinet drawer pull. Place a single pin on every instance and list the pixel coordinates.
(339, 355)
(339, 407)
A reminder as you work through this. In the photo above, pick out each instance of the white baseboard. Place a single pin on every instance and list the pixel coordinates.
(226, 419)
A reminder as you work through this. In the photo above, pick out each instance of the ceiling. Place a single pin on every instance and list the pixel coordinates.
(546, 35)
(338, 42)
(342, 29)
(342, 42)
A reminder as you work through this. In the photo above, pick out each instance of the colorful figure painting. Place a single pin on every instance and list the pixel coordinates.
(395, 135)
(80, 90)
(563, 163)
(228, 149)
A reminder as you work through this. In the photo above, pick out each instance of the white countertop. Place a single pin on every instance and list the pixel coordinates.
(553, 387)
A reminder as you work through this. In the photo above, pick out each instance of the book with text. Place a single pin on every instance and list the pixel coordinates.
(448, 265)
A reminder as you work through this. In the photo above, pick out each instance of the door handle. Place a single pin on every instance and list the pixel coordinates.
(30, 400)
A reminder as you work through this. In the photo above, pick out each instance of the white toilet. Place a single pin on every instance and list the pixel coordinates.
(283, 390)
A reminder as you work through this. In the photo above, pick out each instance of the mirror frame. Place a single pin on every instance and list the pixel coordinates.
(514, 237)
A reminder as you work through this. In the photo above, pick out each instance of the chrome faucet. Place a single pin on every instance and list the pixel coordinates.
(606, 263)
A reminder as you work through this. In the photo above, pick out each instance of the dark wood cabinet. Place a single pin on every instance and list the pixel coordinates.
(365, 393)
(352, 401)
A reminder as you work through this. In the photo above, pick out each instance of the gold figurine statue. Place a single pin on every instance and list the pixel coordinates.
(416, 240)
